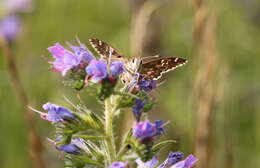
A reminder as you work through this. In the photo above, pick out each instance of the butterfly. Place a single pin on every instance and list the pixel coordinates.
(147, 68)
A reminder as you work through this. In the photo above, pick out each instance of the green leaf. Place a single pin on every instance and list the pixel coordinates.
(90, 137)
(157, 147)
(89, 120)
(89, 161)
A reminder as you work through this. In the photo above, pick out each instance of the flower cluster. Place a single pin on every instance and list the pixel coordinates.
(88, 139)
(10, 23)
(84, 69)
(66, 60)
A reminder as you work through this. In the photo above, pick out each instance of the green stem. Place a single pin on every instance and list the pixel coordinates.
(122, 151)
(110, 108)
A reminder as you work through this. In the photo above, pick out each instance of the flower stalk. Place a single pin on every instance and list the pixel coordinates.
(110, 109)
(86, 138)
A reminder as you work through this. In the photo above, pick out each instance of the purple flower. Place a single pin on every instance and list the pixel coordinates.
(17, 5)
(97, 71)
(80, 143)
(186, 163)
(147, 85)
(10, 27)
(56, 113)
(172, 158)
(149, 164)
(159, 126)
(66, 60)
(118, 165)
(138, 108)
(69, 148)
(145, 129)
(116, 68)
(82, 52)
(76, 145)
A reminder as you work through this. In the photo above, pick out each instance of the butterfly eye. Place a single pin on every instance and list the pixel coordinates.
(133, 60)
(123, 81)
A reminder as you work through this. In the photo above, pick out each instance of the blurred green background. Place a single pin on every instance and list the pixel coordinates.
(235, 119)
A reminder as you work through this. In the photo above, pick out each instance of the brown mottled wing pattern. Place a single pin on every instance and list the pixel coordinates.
(155, 69)
(105, 50)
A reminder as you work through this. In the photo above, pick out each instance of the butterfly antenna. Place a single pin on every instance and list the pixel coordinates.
(151, 57)
(80, 43)
(109, 58)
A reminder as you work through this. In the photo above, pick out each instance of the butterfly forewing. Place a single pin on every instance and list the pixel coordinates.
(155, 69)
(105, 50)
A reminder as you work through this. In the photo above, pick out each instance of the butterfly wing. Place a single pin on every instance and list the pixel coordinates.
(105, 50)
(155, 69)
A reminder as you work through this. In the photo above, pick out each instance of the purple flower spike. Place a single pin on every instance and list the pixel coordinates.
(116, 68)
(186, 163)
(147, 85)
(56, 113)
(97, 71)
(10, 27)
(146, 129)
(138, 108)
(118, 165)
(172, 158)
(66, 60)
(149, 164)
(69, 148)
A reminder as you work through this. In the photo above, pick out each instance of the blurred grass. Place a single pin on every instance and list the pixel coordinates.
(238, 39)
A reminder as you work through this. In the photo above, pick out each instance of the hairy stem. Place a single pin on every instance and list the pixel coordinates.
(110, 109)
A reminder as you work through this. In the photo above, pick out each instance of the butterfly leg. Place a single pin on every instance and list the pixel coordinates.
(133, 83)
(109, 58)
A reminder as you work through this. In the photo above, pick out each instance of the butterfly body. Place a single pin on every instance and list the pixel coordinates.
(147, 68)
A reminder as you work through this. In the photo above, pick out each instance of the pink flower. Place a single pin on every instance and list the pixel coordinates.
(66, 59)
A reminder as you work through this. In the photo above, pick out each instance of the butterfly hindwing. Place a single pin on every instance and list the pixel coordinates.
(155, 69)
(105, 50)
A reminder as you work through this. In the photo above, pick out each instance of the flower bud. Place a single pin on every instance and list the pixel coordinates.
(97, 71)
(172, 158)
(118, 165)
(146, 130)
(188, 162)
(69, 148)
(56, 113)
(10, 27)
(138, 108)
(147, 85)
(149, 164)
